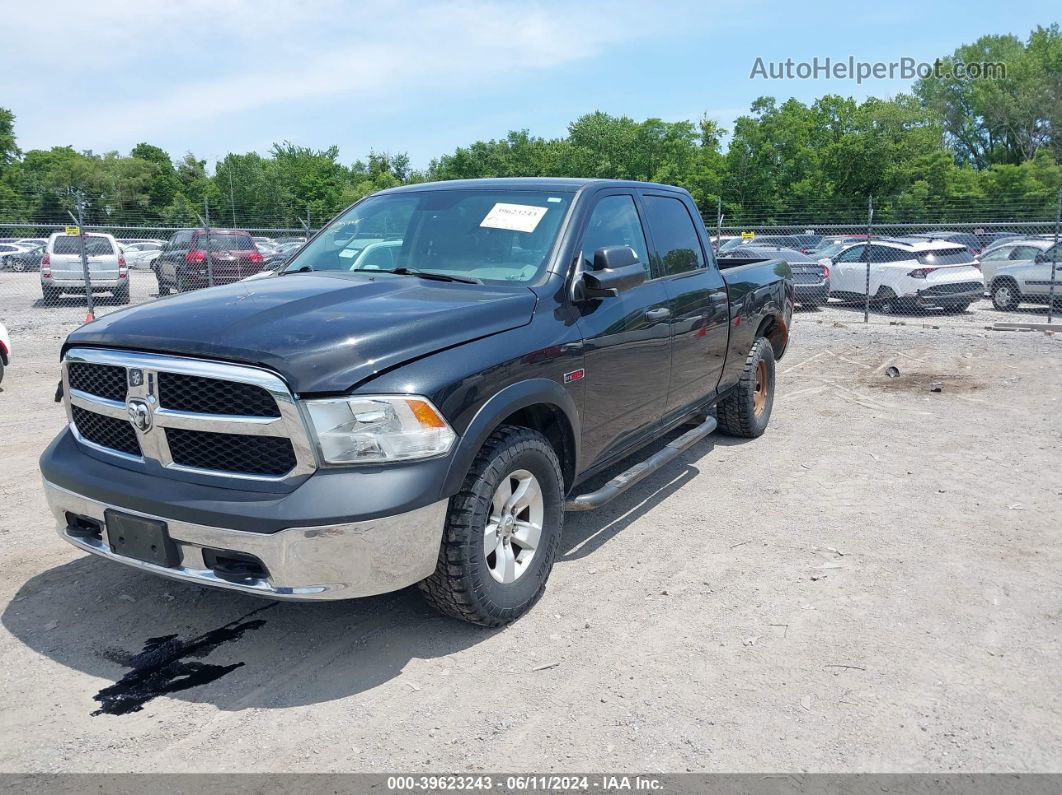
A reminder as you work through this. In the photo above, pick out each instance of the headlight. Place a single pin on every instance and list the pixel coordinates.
(379, 429)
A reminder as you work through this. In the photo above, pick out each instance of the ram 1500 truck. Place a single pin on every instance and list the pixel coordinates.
(427, 414)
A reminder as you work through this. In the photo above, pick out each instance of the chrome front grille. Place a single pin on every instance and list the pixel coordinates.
(102, 380)
(106, 431)
(188, 415)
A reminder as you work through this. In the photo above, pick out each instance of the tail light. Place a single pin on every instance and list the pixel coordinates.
(46, 266)
(195, 257)
(825, 272)
(123, 269)
(920, 273)
(256, 257)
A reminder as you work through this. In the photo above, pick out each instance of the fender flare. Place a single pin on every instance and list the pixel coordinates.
(490, 415)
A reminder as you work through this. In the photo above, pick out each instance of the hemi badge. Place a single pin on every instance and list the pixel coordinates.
(136, 377)
(574, 375)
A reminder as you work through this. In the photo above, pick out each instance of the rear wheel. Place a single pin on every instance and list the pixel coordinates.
(502, 531)
(51, 294)
(1005, 296)
(957, 309)
(121, 295)
(747, 410)
(888, 303)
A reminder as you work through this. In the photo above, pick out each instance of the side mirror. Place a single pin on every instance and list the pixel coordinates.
(616, 268)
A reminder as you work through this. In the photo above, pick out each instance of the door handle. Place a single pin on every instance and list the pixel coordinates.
(658, 314)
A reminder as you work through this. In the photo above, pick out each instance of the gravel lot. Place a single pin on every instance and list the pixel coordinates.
(874, 585)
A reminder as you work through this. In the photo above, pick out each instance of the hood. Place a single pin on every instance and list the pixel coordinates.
(322, 332)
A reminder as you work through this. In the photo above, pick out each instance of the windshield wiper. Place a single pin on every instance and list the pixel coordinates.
(303, 269)
(439, 277)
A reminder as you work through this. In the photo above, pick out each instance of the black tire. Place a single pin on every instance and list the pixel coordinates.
(888, 303)
(746, 411)
(164, 289)
(956, 309)
(51, 295)
(1, 371)
(1006, 296)
(462, 586)
(182, 285)
(121, 296)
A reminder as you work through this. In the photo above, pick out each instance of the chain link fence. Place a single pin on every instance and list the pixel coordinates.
(979, 268)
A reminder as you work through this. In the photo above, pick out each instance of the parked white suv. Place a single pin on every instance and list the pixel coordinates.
(908, 273)
(1028, 281)
(62, 271)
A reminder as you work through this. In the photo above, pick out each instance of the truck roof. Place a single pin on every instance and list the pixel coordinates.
(528, 183)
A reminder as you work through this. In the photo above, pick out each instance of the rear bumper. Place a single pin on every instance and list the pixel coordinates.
(931, 296)
(812, 292)
(338, 561)
(79, 284)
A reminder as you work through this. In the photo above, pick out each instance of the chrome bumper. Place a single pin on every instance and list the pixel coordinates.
(340, 561)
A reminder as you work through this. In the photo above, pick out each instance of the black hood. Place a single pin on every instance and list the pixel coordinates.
(323, 332)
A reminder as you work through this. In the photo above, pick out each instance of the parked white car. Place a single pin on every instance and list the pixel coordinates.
(5, 350)
(1028, 281)
(141, 255)
(8, 252)
(62, 271)
(908, 273)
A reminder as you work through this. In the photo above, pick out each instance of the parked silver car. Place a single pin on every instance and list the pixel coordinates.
(1010, 253)
(1028, 281)
(62, 271)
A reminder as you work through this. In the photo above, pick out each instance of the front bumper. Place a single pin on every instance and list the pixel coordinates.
(336, 561)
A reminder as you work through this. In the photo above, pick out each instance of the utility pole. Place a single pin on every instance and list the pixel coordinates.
(1054, 261)
(718, 224)
(866, 251)
(232, 198)
(206, 229)
(79, 219)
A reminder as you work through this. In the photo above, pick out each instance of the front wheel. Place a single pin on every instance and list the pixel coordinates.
(502, 531)
(1005, 296)
(747, 410)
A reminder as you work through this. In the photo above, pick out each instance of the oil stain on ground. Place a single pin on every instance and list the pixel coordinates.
(168, 664)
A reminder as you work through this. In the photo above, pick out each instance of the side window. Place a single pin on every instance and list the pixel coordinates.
(1054, 254)
(1024, 252)
(674, 235)
(854, 254)
(614, 222)
(180, 240)
(999, 254)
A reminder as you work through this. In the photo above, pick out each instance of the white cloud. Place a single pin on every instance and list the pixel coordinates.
(138, 70)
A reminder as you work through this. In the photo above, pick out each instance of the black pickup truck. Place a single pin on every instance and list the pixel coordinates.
(418, 397)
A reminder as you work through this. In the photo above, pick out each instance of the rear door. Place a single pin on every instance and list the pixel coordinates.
(66, 258)
(697, 299)
(627, 339)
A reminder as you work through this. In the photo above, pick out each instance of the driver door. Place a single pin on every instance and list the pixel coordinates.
(627, 337)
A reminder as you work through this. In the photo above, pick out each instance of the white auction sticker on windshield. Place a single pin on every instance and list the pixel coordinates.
(516, 217)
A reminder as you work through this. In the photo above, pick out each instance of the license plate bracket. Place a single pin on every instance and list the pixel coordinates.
(142, 539)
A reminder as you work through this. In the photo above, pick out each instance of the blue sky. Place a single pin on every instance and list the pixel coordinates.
(213, 76)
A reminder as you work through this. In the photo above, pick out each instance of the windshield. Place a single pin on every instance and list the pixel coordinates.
(832, 250)
(95, 246)
(490, 235)
(945, 256)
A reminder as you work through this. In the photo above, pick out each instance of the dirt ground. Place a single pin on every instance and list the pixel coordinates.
(874, 585)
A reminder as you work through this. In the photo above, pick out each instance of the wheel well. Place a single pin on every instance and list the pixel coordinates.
(1004, 280)
(776, 332)
(551, 422)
